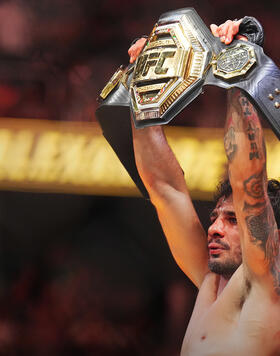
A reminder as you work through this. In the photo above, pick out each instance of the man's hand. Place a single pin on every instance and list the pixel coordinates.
(227, 31)
(135, 49)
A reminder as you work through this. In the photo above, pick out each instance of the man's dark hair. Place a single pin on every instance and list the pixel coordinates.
(273, 190)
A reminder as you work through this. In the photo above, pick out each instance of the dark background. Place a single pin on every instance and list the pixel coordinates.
(88, 275)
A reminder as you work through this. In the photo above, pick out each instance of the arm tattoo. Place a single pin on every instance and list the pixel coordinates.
(229, 143)
(264, 233)
(245, 105)
(254, 186)
(245, 120)
(253, 136)
(252, 207)
(259, 228)
(259, 217)
(252, 131)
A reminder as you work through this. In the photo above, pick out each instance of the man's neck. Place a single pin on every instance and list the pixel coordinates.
(222, 283)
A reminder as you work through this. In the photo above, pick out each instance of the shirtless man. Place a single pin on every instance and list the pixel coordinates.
(237, 265)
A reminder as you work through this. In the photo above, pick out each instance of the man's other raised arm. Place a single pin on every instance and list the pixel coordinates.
(245, 149)
(164, 180)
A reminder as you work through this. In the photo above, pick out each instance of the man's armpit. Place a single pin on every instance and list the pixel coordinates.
(259, 228)
(275, 271)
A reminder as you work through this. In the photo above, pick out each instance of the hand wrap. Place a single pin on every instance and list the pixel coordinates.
(252, 29)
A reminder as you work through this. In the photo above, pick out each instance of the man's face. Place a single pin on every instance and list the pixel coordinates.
(224, 240)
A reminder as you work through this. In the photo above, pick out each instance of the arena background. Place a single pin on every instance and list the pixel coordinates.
(85, 269)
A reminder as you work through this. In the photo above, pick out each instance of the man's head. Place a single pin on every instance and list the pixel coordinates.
(223, 234)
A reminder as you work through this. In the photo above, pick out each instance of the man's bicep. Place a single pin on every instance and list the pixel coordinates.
(184, 233)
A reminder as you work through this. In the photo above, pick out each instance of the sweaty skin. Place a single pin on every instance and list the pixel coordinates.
(237, 312)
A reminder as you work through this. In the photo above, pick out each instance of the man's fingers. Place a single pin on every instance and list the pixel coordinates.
(226, 31)
(131, 53)
(235, 27)
(229, 35)
(135, 49)
(214, 29)
(134, 54)
(241, 37)
(230, 31)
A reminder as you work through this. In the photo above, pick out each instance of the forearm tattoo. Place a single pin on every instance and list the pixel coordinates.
(253, 136)
(242, 117)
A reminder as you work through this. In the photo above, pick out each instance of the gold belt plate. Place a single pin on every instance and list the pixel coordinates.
(174, 58)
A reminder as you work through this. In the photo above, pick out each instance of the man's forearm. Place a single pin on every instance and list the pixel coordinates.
(164, 180)
(244, 143)
(156, 162)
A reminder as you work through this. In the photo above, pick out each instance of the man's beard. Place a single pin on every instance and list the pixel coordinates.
(225, 269)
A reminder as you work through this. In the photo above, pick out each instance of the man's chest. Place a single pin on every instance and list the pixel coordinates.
(232, 324)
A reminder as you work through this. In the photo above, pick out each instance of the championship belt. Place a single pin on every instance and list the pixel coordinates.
(179, 58)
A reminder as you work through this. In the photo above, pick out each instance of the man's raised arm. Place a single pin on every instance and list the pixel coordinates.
(245, 149)
(164, 180)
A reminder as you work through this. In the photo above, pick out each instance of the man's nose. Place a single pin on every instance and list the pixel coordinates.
(216, 229)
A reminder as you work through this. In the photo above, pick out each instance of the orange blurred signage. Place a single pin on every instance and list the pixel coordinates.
(42, 155)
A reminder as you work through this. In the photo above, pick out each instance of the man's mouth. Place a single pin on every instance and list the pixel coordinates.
(215, 249)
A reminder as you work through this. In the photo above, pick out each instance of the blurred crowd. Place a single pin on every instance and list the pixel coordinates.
(56, 55)
(73, 284)
(76, 313)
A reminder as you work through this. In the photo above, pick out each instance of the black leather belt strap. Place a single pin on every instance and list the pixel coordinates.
(261, 85)
(114, 118)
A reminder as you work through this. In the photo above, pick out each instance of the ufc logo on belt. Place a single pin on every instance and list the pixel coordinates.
(153, 60)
